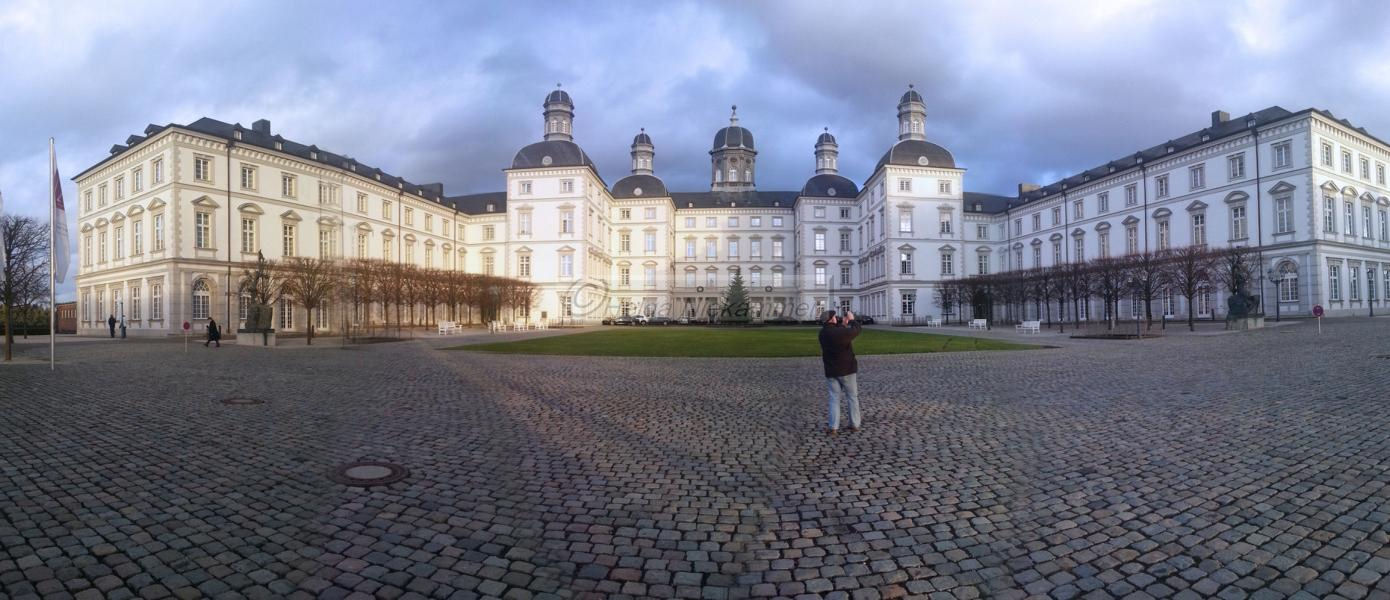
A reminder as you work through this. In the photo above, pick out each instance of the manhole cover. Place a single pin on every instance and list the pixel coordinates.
(369, 473)
(1381, 356)
(242, 401)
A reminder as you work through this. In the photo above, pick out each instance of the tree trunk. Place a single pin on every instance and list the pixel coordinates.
(9, 337)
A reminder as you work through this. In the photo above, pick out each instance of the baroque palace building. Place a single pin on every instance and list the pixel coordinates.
(167, 219)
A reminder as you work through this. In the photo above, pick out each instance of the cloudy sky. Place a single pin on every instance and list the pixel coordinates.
(1018, 91)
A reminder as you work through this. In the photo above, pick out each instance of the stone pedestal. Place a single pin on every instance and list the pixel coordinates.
(247, 337)
(1246, 323)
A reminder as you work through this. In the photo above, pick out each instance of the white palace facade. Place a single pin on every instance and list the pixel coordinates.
(167, 219)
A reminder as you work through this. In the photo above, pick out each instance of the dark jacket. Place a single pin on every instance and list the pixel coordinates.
(837, 349)
(214, 332)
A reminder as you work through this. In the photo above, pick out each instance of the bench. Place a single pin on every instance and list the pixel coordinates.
(932, 322)
(447, 327)
(1029, 327)
(979, 324)
(495, 326)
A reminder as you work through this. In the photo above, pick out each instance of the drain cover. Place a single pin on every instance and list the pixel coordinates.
(242, 401)
(1381, 356)
(369, 473)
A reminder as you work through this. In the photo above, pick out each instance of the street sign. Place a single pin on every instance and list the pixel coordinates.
(186, 326)
(1317, 312)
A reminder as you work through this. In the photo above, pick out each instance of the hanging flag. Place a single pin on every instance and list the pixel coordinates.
(60, 223)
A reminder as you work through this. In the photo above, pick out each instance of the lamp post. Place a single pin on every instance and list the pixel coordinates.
(1134, 286)
(1275, 278)
(1371, 289)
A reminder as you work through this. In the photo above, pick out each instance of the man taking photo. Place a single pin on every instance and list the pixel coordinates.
(841, 369)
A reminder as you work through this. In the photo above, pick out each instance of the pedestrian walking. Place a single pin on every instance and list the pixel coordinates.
(214, 334)
(111, 322)
(841, 369)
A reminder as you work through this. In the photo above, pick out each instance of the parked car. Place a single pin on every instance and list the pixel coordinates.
(864, 319)
(660, 321)
(624, 320)
(607, 321)
(639, 319)
(683, 321)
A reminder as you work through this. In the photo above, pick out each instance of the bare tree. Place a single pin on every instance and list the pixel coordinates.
(311, 282)
(1187, 271)
(1147, 269)
(1111, 279)
(25, 269)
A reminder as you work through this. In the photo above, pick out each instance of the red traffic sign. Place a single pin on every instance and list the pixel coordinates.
(186, 326)
(1317, 310)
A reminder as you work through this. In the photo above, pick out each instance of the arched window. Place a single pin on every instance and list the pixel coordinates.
(554, 125)
(202, 298)
(1288, 282)
(916, 126)
(718, 175)
(748, 175)
(733, 175)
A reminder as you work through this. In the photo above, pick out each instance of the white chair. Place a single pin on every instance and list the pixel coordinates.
(932, 322)
(446, 327)
(978, 324)
(1029, 327)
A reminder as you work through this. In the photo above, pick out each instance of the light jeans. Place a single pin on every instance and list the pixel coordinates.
(848, 386)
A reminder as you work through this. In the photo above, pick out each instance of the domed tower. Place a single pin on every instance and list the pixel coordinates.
(642, 154)
(827, 154)
(912, 116)
(733, 158)
(559, 116)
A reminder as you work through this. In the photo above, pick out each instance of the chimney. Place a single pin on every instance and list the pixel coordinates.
(1024, 188)
(1218, 117)
(262, 127)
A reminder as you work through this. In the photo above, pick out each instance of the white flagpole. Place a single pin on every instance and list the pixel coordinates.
(52, 294)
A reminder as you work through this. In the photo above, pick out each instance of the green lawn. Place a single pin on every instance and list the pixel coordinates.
(730, 342)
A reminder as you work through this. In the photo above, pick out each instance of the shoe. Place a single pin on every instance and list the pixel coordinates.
(854, 430)
(832, 431)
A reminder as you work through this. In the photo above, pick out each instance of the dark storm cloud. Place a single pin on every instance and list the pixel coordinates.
(448, 92)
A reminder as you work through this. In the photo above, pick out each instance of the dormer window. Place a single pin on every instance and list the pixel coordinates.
(279, 146)
(237, 134)
(1170, 149)
(491, 207)
(313, 155)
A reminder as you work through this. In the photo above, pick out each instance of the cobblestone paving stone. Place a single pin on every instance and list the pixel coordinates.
(1237, 466)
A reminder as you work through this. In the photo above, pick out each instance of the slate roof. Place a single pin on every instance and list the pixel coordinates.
(476, 204)
(821, 186)
(978, 202)
(651, 186)
(753, 199)
(908, 152)
(733, 136)
(562, 153)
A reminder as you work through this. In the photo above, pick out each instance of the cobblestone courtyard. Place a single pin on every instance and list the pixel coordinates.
(1249, 465)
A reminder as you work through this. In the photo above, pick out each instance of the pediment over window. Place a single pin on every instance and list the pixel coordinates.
(565, 249)
(290, 215)
(250, 208)
(820, 263)
(87, 227)
(333, 221)
(1367, 197)
(429, 243)
(1078, 232)
(135, 210)
(1283, 187)
(1162, 213)
(1104, 226)
(948, 248)
(565, 206)
(945, 208)
(409, 237)
(1330, 186)
(117, 218)
(1035, 242)
(156, 203)
(1349, 191)
(488, 251)
(692, 269)
(1019, 245)
(906, 248)
(983, 250)
(364, 226)
(388, 233)
(1196, 205)
(1130, 220)
(1383, 201)
(650, 263)
(205, 202)
(103, 222)
(1235, 197)
(1056, 237)
(521, 250)
(846, 263)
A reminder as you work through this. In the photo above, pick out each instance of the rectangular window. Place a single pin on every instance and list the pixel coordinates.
(1238, 228)
(1078, 209)
(904, 184)
(711, 249)
(156, 301)
(1037, 222)
(287, 186)
(649, 277)
(325, 243)
(844, 213)
(1197, 177)
(137, 238)
(158, 168)
(690, 248)
(523, 222)
(1384, 231)
(1326, 154)
(202, 230)
(489, 232)
(1079, 249)
(844, 241)
(1163, 234)
(1103, 242)
(1348, 219)
(87, 250)
(776, 221)
(624, 214)
(328, 194)
(1366, 230)
(1162, 185)
(287, 242)
(1103, 202)
(248, 177)
(818, 212)
(1334, 282)
(820, 275)
(158, 232)
(982, 232)
(1283, 215)
(137, 180)
(361, 203)
(690, 278)
(948, 263)
(733, 221)
(1199, 229)
(286, 314)
(649, 213)
(844, 275)
(711, 222)
(135, 302)
(409, 215)
(119, 249)
(624, 242)
(1346, 162)
(905, 263)
(982, 264)
(943, 187)
(567, 221)
(1018, 227)
(905, 220)
(1354, 282)
(524, 188)
(567, 265)
(566, 185)
(202, 168)
(1131, 194)
(361, 245)
(820, 241)
(1365, 168)
(624, 276)
(120, 188)
(523, 266)
(1283, 154)
(755, 248)
(386, 209)
(649, 242)
(1235, 166)
(489, 264)
(1329, 214)
(248, 235)
(690, 222)
(1056, 215)
(1380, 173)
(945, 223)
(733, 249)
(87, 201)
(776, 248)
(101, 195)
(909, 303)
(755, 221)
